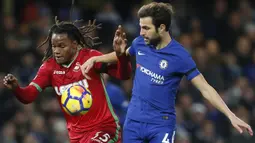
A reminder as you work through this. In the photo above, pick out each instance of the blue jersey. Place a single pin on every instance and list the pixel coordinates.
(156, 82)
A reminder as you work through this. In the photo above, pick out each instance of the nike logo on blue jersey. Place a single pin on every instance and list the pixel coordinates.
(140, 53)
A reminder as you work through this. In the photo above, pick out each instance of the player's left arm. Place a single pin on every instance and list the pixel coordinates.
(211, 94)
(214, 98)
(121, 69)
(187, 66)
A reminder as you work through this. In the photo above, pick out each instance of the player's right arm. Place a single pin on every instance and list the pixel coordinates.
(25, 95)
(29, 93)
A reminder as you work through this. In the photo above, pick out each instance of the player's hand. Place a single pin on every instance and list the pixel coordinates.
(86, 67)
(10, 81)
(240, 125)
(120, 41)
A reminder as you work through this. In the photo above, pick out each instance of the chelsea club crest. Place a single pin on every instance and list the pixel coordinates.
(163, 64)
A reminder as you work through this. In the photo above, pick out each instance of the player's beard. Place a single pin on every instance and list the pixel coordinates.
(154, 40)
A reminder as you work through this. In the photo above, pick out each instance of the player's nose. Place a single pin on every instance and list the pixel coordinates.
(142, 33)
(56, 51)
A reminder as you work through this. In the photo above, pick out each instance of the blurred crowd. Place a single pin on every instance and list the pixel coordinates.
(220, 35)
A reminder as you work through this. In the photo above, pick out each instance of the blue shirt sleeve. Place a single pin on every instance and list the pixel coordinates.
(188, 68)
(132, 49)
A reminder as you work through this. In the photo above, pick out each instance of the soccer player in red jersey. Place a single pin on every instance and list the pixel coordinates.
(68, 49)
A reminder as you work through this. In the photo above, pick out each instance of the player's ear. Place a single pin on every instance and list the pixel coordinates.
(162, 27)
(75, 43)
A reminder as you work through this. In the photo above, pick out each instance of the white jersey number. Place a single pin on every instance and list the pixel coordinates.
(101, 137)
(166, 140)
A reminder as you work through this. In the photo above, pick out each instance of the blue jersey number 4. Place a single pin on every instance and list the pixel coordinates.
(166, 140)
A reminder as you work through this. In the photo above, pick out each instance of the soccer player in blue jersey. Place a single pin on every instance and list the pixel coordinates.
(161, 62)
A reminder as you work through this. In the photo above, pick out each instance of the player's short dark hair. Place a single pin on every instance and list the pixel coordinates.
(161, 13)
(82, 35)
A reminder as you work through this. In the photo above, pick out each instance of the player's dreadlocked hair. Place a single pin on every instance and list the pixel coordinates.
(80, 34)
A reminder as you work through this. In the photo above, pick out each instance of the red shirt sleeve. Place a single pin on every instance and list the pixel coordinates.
(43, 77)
(27, 94)
(121, 69)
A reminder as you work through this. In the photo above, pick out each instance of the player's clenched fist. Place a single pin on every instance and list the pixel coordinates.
(120, 41)
(10, 81)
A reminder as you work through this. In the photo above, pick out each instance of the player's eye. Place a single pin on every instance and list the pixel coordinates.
(146, 28)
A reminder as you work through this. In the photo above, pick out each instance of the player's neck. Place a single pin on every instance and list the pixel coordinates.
(75, 55)
(165, 40)
(67, 65)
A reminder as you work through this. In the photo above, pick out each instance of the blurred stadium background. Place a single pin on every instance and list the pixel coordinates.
(220, 34)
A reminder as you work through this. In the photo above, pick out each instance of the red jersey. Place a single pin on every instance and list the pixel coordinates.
(61, 77)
